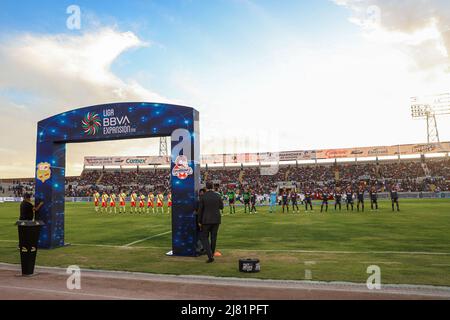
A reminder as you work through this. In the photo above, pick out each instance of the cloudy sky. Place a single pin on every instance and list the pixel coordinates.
(265, 75)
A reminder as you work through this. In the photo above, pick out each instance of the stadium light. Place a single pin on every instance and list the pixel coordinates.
(428, 108)
(163, 146)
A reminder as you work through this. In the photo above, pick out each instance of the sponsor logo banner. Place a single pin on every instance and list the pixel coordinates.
(11, 199)
(269, 157)
(383, 151)
(423, 148)
(213, 159)
(373, 151)
(126, 161)
(300, 155)
(240, 157)
(109, 121)
(297, 155)
(379, 151)
(334, 153)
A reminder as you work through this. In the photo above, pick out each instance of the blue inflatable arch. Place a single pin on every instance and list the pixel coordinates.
(113, 122)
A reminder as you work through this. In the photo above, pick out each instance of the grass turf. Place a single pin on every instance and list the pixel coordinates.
(411, 247)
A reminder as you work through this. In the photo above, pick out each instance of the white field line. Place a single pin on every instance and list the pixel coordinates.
(28, 289)
(380, 262)
(341, 252)
(261, 250)
(264, 250)
(145, 239)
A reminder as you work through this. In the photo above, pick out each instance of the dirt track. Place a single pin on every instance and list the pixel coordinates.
(50, 283)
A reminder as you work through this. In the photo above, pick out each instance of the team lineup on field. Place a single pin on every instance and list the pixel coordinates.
(138, 202)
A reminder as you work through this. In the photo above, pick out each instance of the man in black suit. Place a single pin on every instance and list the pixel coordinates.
(209, 219)
(27, 209)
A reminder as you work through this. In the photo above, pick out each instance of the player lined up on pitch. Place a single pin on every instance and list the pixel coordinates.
(138, 202)
(292, 198)
(287, 199)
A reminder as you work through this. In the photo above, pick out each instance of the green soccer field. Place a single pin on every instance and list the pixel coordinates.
(410, 247)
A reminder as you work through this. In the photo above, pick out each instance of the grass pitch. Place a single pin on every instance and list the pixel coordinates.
(410, 247)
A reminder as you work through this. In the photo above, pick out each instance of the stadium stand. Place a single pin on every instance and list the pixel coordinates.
(416, 175)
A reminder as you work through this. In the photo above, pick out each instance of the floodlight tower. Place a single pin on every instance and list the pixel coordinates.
(163, 146)
(428, 108)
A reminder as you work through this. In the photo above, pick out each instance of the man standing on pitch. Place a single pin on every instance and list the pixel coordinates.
(308, 200)
(246, 196)
(360, 197)
(231, 199)
(253, 197)
(220, 193)
(349, 197)
(337, 199)
(209, 219)
(273, 201)
(394, 198)
(294, 198)
(373, 198)
(325, 198)
(285, 201)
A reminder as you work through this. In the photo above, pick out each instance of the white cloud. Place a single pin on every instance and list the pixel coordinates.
(71, 68)
(61, 72)
(421, 27)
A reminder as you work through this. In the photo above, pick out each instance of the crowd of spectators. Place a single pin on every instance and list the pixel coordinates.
(16, 188)
(407, 175)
